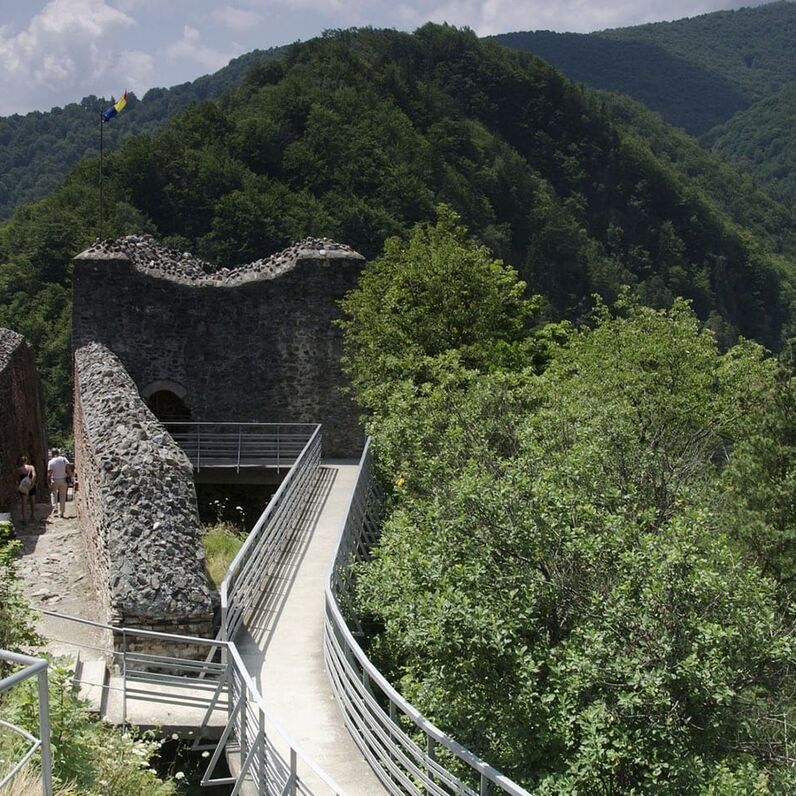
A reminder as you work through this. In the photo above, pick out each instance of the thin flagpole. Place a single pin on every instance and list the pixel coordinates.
(101, 198)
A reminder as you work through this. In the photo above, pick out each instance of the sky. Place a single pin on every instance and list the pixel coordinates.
(53, 52)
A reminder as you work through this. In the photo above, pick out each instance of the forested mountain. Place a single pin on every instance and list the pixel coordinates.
(358, 135)
(761, 140)
(681, 91)
(725, 77)
(38, 149)
(751, 48)
(695, 72)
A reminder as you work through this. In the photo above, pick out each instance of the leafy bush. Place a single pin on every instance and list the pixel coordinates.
(17, 631)
(89, 757)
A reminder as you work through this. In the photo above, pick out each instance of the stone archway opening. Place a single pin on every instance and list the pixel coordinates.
(167, 407)
(167, 401)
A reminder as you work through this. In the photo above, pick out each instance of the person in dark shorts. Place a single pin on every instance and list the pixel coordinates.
(26, 474)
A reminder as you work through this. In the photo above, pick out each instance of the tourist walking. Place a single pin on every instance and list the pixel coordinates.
(26, 485)
(58, 468)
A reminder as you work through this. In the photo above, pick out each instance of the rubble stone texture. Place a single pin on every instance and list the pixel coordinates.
(22, 425)
(137, 507)
(252, 343)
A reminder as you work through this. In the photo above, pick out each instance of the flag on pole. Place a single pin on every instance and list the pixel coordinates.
(116, 108)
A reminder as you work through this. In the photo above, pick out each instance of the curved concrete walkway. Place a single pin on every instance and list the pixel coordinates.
(282, 643)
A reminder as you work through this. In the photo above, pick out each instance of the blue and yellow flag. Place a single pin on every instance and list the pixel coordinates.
(114, 109)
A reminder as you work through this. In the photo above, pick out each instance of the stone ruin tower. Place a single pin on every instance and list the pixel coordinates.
(253, 343)
(159, 333)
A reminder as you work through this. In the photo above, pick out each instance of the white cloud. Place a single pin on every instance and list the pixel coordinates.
(66, 49)
(236, 19)
(135, 70)
(190, 47)
(487, 17)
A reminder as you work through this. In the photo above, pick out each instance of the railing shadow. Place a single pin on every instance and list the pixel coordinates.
(261, 622)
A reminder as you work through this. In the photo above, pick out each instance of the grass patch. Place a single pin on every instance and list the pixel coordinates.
(221, 540)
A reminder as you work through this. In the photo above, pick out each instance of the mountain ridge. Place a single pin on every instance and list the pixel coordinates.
(359, 135)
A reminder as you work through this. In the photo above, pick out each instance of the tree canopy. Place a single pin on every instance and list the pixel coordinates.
(564, 582)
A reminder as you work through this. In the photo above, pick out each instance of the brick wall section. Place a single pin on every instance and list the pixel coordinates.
(137, 507)
(255, 343)
(22, 424)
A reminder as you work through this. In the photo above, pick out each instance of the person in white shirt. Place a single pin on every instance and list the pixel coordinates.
(57, 469)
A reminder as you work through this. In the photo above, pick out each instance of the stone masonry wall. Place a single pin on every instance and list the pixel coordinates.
(22, 424)
(137, 508)
(255, 343)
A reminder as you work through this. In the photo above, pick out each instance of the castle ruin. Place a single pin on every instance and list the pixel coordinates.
(253, 343)
(162, 335)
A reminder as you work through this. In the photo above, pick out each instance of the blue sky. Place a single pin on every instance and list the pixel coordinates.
(57, 51)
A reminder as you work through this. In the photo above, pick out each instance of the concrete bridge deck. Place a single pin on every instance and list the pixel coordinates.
(282, 641)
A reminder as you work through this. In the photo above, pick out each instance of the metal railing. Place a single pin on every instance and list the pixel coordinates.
(247, 576)
(33, 667)
(408, 753)
(241, 445)
(268, 757)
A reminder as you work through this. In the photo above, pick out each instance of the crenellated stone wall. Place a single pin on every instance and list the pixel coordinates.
(254, 343)
(137, 508)
(22, 424)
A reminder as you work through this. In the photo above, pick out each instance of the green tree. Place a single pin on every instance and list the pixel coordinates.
(554, 582)
(760, 486)
(434, 292)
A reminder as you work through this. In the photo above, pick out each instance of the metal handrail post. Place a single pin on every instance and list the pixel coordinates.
(263, 755)
(291, 789)
(198, 447)
(124, 679)
(240, 431)
(243, 719)
(431, 746)
(44, 734)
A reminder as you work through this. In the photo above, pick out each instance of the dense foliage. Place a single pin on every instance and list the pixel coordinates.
(359, 134)
(89, 757)
(761, 141)
(736, 195)
(585, 569)
(436, 291)
(17, 633)
(38, 149)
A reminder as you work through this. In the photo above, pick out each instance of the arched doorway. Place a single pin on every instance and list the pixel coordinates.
(167, 400)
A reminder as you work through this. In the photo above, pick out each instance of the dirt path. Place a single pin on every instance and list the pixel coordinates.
(55, 575)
